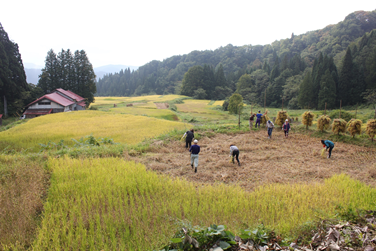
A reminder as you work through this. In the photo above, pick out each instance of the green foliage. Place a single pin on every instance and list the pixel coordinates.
(334, 114)
(235, 105)
(70, 72)
(13, 86)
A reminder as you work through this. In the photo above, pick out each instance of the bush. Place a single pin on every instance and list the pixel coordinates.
(354, 126)
(344, 115)
(323, 122)
(371, 128)
(338, 126)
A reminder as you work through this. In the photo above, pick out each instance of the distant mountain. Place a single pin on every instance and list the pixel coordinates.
(33, 71)
(32, 75)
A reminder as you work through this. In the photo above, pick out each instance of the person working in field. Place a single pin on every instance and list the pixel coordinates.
(258, 120)
(270, 126)
(189, 136)
(286, 128)
(329, 145)
(195, 150)
(251, 119)
(234, 153)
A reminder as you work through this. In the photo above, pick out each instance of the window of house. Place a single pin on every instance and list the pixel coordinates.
(44, 103)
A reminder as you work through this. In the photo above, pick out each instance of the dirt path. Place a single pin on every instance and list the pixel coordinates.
(263, 160)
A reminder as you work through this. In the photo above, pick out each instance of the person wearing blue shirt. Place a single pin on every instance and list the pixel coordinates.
(258, 120)
(195, 150)
(328, 145)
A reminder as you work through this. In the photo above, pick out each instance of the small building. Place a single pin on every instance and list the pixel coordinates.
(1, 119)
(59, 100)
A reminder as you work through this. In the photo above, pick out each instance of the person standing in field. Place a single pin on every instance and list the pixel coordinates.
(195, 150)
(234, 153)
(329, 145)
(286, 128)
(189, 136)
(251, 119)
(270, 127)
(258, 120)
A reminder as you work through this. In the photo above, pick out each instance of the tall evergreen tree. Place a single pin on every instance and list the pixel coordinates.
(306, 96)
(371, 70)
(220, 77)
(49, 79)
(208, 82)
(327, 92)
(13, 86)
(350, 89)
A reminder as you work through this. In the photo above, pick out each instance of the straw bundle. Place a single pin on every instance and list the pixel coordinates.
(307, 118)
(323, 152)
(371, 128)
(281, 117)
(354, 126)
(323, 122)
(264, 119)
(339, 125)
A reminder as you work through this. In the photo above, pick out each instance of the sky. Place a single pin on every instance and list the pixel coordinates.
(136, 32)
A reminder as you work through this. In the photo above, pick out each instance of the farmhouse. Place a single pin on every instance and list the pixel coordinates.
(59, 100)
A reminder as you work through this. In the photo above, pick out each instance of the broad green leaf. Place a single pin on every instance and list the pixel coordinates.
(224, 245)
(176, 240)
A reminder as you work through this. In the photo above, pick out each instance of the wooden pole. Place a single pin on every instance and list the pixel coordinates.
(325, 109)
(356, 111)
(264, 101)
(340, 108)
(282, 103)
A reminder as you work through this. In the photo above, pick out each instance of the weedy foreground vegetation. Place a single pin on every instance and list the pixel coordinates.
(80, 195)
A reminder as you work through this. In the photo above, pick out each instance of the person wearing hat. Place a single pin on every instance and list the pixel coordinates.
(234, 153)
(194, 149)
(270, 126)
(286, 128)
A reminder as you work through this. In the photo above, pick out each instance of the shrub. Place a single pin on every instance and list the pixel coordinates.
(354, 126)
(281, 117)
(308, 117)
(323, 122)
(371, 128)
(338, 126)
(344, 115)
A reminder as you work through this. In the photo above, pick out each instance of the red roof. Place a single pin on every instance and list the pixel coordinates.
(71, 94)
(56, 98)
(82, 103)
(37, 111)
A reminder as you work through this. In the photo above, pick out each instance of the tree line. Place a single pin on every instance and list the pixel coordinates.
(277, 69)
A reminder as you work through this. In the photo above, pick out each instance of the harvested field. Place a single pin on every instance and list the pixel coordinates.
(263, 161)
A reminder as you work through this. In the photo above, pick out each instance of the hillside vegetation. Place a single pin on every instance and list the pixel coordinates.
(279, 67)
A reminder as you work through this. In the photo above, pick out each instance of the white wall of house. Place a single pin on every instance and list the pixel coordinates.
(52, 105)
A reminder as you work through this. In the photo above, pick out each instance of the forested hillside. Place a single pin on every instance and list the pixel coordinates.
(278, 68)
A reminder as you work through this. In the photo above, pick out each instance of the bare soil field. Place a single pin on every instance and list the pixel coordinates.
(278, 160)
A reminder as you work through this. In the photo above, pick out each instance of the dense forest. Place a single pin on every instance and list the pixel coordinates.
(308, 70)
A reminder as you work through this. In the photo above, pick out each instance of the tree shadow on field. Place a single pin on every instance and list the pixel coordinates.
(263, 161)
